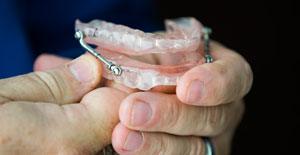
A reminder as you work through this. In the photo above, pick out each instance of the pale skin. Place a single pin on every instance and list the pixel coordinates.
(58, 111)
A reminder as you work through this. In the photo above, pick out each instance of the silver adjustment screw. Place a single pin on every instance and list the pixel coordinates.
(115, 69)
(206, 33)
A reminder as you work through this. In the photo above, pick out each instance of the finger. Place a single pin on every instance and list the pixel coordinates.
(103, 105)
(126, 141)
(227, 79)
(159, 112)
(62, 85)
(49, 61)
(69, 129)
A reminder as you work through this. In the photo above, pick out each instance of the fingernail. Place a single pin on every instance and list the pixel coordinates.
(133, 141)
(195, 91)
(81, 69)
(141, 113)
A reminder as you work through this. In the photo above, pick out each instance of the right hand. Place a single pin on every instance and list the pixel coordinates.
(57, 111)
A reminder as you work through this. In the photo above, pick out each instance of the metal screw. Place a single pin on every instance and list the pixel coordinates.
(206, 33)
(115, 69)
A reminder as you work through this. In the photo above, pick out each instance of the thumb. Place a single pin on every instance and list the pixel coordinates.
(49, 61)
(65, 84)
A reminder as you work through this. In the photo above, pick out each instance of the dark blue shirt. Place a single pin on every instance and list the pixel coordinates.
(31, 27)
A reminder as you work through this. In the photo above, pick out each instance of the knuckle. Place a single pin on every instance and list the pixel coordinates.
(214, 119)
(175, 113)
(220, 119)
(234, 79)
(238, 109)
(52, 85)
(217, 84)
(246, 78)
(220, 69)
(163, 145)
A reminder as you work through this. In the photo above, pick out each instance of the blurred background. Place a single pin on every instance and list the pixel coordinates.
(261, 31)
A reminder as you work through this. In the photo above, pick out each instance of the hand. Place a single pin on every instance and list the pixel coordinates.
(55, 111)
(208, 103)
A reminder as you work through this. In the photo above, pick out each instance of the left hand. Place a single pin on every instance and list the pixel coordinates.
(174, 124)
(208, 103)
